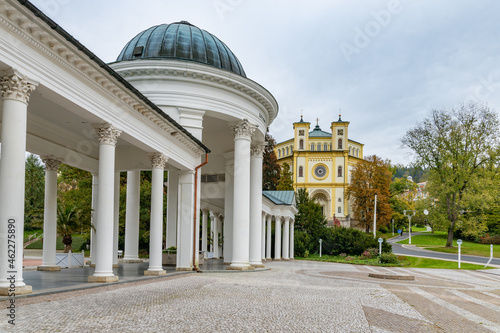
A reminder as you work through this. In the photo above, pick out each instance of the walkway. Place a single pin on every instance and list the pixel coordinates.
(295, 296)
(414, 251)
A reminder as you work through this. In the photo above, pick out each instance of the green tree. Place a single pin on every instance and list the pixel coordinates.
(270, 166)
(34, 192)
(455, 144)
(370, 177)
(68, 223)
(286, 182)
(309, 218)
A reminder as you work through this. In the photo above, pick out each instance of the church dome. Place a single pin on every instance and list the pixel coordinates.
(181, 41)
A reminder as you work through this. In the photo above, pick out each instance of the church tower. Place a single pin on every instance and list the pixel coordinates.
(301, 135)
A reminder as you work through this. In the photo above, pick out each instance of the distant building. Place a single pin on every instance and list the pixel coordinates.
(321, 162)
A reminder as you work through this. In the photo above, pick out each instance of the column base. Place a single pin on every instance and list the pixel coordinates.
(183, 269)
(131, 261)
(48, 268)
(269, 259)
(116, 265)
(155, 273)
(227, 263)
(7, 291)
(277, 259)
(286, 259)
(258, 265)
(240, 268)
(103, 279)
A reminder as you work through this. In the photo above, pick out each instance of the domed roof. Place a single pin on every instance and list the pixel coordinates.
(181, 41)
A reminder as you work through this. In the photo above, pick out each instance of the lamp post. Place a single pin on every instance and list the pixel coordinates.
(320, 242)
(459, 242)
(410, 215)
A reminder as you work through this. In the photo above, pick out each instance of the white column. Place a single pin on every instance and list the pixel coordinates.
(268, 241)
(156, 225)
(228, 207)
(131, 253)
(241, 204)
(185, 221)
(172, 198)
(277, 239)
(263, 238)
(204, 232)
(286, 238)
(50, 215)
(15, 90)
(292, 239)
(93, 218)
(214, 223)
(116, 219)
(107, 136)
(256, 205)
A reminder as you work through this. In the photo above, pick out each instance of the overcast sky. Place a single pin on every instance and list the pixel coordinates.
(385, 63)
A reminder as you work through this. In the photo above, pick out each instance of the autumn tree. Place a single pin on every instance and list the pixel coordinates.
(370, 177)
(455, 144)
(270, 166)
(286, 182)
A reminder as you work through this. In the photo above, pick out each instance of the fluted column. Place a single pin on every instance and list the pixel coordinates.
(277, 239)
(185, 222)
(156, 225)
(204, 226)
(214, 221)
(172, 198)
(292, 239)
(286, 238)
(241, 204)
(263, 238)
(107, 136)
(256, 205)
(131, 253)
(116, 219)
(268, 241)
(93, 219)
(15, 90)
(50, 214)
(228, 208)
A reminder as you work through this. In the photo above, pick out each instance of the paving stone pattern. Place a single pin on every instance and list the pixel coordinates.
(293, 296)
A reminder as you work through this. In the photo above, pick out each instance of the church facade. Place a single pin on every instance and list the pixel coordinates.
(321, 162)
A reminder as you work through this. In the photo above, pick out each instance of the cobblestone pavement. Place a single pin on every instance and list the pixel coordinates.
(293, 296)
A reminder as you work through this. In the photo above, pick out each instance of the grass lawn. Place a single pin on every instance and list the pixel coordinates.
(413, 262)
(437, 242)
(78, 240)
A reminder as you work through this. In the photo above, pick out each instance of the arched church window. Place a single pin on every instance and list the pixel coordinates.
(279, 153)
(312, 146)
(301, 171)
(301, 144)
(287, 150)
(349, 150)
(340, 210)
(340, 144)
(325, 147)
(339, 171)
(319, 146)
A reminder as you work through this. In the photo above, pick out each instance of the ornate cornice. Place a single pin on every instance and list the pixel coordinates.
(158, 160)
(51, 162)
(243, 130)
(107, 134)
(17, 87)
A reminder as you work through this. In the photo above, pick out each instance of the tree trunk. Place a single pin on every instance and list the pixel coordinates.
(67, 241)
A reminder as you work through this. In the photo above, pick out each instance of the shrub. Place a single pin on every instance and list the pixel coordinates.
(343, 255)
(366, 255)
(487, 239)
(388, 258)
(349, 258)
(303, 243)
(350, 241)
(383, 229)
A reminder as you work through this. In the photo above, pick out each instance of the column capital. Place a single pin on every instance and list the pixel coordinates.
(287, 218)
(158, 160)
(243, 129)
(107, 133)
(16, 86)
(51, 162)
(257, 150)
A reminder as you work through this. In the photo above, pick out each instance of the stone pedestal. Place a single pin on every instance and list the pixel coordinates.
(48, 268)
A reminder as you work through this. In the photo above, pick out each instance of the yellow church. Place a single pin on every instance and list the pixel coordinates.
(321, 162)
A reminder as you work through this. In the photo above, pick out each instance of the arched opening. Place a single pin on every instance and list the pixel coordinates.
(301, 144)
(340, 144)
(301, 171)
(339, 171)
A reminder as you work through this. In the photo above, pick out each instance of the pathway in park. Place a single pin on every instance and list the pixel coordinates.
(295, 296)
(413, 251)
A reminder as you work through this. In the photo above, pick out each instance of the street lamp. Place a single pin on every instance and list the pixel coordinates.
(409, 222)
